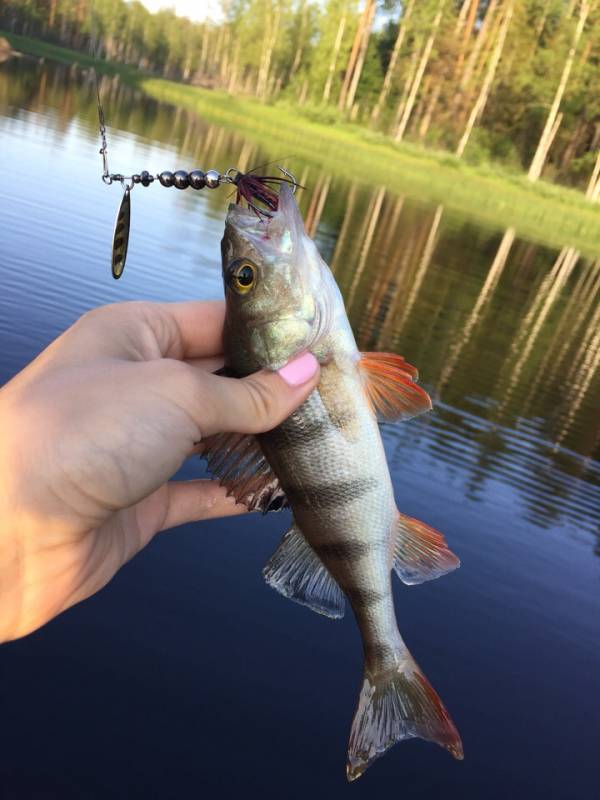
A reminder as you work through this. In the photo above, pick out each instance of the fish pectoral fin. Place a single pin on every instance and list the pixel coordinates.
(397, 704)
(391, 387)
(239, 464)
(420, 552)
(296, 571)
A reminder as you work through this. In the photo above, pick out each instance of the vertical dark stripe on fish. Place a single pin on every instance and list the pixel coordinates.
(379, 652)
(329, 495)
(349, 550)
(364, 598)
(303, 430)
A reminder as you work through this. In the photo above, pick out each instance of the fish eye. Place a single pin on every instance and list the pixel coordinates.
(243, 278)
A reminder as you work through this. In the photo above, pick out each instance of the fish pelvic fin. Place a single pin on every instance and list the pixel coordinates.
(397, 704)
(296, 571)
(391, 388)
(420, 552)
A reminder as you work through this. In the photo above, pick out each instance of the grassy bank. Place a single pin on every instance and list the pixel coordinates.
(488, 194)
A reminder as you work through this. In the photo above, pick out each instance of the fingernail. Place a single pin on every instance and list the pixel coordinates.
(300, 370)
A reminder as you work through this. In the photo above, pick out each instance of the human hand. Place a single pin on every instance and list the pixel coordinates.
(90, 434)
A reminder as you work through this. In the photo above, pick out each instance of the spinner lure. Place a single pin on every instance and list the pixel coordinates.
(258, 191)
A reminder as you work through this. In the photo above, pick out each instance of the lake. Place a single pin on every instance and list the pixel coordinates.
(187, 676)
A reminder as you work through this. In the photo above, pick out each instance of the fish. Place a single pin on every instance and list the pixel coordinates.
(327, 463)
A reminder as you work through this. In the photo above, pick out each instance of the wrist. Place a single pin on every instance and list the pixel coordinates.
(16, 525)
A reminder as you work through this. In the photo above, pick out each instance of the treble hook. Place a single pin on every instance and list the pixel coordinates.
(291, 176)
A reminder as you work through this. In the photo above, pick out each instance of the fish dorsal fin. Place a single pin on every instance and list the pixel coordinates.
(390, 385)
(420, 552)
(296, 571)
(241, 467)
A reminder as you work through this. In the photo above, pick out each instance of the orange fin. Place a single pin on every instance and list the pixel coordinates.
(390, 384)
(420, 552)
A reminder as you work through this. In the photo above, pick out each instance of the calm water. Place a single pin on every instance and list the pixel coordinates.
(187, 677)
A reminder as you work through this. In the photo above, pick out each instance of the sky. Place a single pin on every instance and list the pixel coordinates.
(197, 10)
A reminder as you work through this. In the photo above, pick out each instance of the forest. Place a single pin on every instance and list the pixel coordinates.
(509, 81)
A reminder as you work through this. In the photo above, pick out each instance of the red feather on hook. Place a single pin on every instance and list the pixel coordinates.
(260, 188)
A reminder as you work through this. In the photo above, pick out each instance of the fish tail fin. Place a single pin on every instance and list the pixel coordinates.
(397, 703)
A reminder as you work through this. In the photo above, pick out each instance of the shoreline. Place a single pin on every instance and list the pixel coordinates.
(543, 212)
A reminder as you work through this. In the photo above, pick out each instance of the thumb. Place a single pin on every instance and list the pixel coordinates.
(259, 402)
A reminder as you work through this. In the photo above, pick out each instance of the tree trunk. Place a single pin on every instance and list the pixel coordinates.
(422, 103)
(202, 61)
(573, 143)
(419, 75)
(554, 130)
(479, 104)
(428, 115)
(224, 55)
(216, 57)
(539, 28)
(593, 188)
(462, 15)
(303, 92)
(541, 153)
(406, 89)
(354, 55)
(232, 86)
(361, 56)
(389, 73)
(52, 14)
(466, 33)
(481, 36)
(271, 40)
(336, 52)
(300, 45)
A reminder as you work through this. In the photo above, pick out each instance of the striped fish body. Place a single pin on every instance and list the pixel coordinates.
(328, 459)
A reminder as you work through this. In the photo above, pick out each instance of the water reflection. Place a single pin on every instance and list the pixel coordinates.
(506, 333)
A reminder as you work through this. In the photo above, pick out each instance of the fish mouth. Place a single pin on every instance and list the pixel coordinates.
(241, 217)
(236, 210)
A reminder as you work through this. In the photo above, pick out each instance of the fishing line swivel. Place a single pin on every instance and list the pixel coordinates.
(248, 186)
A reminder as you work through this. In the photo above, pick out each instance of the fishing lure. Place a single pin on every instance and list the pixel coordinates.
(256, 190)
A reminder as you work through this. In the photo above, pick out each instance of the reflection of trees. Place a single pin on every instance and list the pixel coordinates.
(406, 298)
(574, 326)
(587, 361)
(506, 331)
(317, 204)
(487, 290)
(365, 241)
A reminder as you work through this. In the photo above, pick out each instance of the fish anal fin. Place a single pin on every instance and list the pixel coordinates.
(420, 552)
(397, 704)
(239, 464)
(295, 571)
(390, 385)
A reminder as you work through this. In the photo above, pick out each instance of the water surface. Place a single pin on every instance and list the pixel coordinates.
(187, 675)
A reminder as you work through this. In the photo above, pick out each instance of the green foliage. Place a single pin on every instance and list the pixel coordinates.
(487, 192)
(300, 52)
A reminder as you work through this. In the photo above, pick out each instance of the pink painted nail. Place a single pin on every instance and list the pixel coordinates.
(300, 370)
